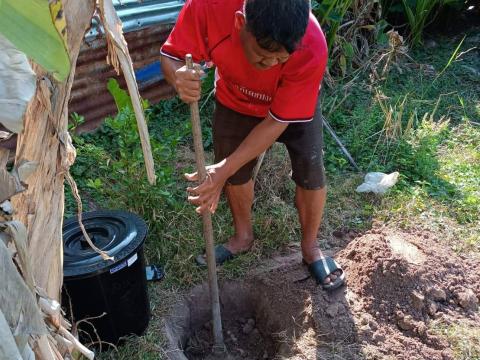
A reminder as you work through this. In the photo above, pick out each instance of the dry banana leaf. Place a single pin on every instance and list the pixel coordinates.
(17, 85)
(17, 303)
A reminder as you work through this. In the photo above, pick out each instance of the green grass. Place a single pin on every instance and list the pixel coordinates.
(437, 153)
(463, 337)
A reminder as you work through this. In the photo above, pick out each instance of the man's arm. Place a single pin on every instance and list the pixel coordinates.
(207, 194)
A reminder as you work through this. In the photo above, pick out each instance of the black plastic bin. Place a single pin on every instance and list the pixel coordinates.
(94, 286)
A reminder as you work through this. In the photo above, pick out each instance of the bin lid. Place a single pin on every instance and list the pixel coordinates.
(118, 233)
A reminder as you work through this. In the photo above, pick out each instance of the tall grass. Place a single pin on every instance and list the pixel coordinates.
(351, 27)
(331, 14)
(418, 13)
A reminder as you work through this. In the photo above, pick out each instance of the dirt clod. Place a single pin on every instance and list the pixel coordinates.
(437, 294)
(378, 337)
(247, 329)
(421, 329)
(418, 301)
(406, 323)
(468, 300)
(432, 308)
(332, 310)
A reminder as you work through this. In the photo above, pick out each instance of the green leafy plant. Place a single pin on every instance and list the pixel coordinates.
(120, 96)
(75, 121)
(110, 161)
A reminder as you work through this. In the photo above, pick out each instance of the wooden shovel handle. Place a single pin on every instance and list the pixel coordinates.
(219, 345)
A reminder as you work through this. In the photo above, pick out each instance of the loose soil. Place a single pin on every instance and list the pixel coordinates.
(242, 339)
(398, 285)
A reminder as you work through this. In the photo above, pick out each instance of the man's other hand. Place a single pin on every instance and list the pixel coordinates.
(188, 83)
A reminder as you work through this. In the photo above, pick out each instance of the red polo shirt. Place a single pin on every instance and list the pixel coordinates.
(288, 91)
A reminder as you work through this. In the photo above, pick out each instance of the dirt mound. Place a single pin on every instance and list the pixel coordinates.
(398, 284)
(401, 282)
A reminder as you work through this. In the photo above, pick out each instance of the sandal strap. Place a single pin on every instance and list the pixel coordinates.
(222, 254)
(322, 268)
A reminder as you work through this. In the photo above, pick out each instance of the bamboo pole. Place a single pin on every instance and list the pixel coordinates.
(119, 57)
(219, 345)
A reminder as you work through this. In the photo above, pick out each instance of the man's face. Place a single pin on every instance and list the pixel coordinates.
(257, 56)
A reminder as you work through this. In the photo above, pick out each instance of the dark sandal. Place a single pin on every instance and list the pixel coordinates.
(222, 254)
(323, 268)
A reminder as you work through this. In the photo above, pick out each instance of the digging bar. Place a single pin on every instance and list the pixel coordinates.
(340, 144)
(335, 137)
(219, 345)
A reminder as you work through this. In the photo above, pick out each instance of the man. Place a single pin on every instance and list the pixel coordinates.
(270, 57)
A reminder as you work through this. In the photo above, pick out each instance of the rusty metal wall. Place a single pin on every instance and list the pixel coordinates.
(90, 97)
(146, 25)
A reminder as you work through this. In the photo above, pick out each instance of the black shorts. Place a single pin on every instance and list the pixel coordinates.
(304, 142)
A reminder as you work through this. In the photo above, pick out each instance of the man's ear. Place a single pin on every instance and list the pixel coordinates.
(239, 20)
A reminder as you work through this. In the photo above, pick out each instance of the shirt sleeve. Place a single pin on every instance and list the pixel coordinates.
(189, 36)
(296, 96)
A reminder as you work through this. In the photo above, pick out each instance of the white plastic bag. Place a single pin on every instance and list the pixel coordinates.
(378, 182)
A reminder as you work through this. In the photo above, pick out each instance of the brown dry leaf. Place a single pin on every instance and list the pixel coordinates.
(69, 153)
(9, 185)
(13, 182)
(17, 302)
(8, 347)
(25, 169)
(18, 234)
(24, 347)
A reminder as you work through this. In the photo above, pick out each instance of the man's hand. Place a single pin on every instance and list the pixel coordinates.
(188, 83)
(206, 195)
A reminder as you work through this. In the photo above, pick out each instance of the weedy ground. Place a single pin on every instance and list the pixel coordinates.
(417, 120)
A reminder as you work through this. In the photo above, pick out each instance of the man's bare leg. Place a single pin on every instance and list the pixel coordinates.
(240, 200)
(310, 205)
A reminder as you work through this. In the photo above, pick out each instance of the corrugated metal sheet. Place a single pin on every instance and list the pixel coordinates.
(136, 15)
(146, 26)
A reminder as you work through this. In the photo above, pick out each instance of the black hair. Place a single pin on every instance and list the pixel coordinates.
(277, 23)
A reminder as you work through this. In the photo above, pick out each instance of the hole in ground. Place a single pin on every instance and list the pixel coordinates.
(254, 323)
